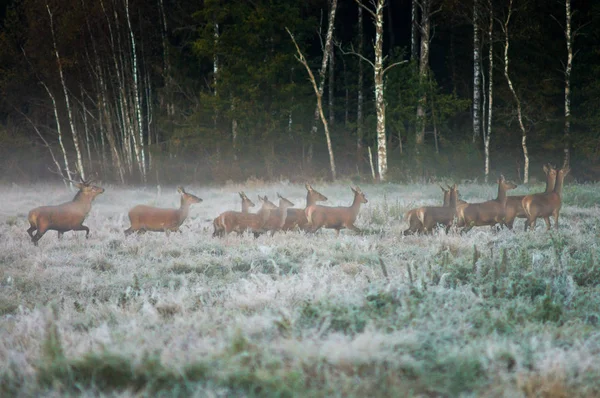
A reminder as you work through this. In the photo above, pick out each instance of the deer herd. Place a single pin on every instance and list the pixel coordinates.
(272, 218)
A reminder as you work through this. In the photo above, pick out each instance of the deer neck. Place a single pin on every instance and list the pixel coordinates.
(501, 194)
(245, 207)
(550, 183)
(184, 210)
(355, 205)
(264, 214)
(559, 184)
(311, 199)
(83, 201)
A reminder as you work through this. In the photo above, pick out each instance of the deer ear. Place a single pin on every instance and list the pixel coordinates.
(445, 190)
(546, 169)
(79, 185)
(180, 189)
(353, 190)
(308, 187)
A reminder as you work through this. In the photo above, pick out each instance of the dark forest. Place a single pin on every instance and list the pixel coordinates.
(141, 92)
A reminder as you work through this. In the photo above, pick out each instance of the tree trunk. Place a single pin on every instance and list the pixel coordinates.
(423, 71)
(516, 97)
(331, 99)
(68, 104)
(414, 49)
(59, 131)
(476, 73)
(569, 66)
(379, 98)
(360, 95)
(488, 133)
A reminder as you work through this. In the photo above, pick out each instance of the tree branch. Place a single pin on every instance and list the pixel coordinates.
(356, 54)
(367, 9)
(394, 64)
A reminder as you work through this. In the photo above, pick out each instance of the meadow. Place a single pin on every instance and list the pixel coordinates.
(491, 313)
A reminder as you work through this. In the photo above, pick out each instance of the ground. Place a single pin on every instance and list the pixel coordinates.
(489, 313)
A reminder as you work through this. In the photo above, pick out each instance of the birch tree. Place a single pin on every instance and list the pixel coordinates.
(568, 67)
(425, 31)
(76, 143)
(360, 94)
(476, 73)
(514, 93)
(487, 134)
(319, 90)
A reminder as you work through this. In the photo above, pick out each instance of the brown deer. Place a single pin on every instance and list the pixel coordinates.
(514, 204)
(297, 217)
(413, 220)
(425, 219)
(65, 217)
(544, 205)
(148, 218)
(241, 222)
(218, 223)
(336, 217)
(490, 212)
(277, 217)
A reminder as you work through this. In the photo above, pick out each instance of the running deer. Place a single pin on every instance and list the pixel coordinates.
(297, 217)
(514, 204)
(336, 217)
(544, 205)
(241, 222)
(277, 217)
(219, 224)
(425, 219)
(148, 218)
(491, 212)
(65, 217)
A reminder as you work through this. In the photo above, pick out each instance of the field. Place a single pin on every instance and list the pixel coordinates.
(490, 313)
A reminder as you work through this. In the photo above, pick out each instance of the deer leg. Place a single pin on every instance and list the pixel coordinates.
(556, 220)
(31, 229)
(83, 228)
(128, 231)
(38, 235)
(548, 226)
(354, 228)
(60, 235)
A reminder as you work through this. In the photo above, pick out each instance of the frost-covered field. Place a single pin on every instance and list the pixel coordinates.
(299, 314)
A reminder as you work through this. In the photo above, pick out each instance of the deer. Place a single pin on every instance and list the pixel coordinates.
(241, 222)
(425, 219)
(297, 217)
(491, 212)
(278, 216)
(514, 204)
(149, 218)
(544, 205)
(335, 217)
(219, 224)
(413, 220)
(64, 217)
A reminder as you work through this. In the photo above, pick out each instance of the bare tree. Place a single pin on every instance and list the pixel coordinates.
(319, 89)
(488, 134)
(425, 31)
(514, 93)
(360, 94)
(414, 31)
(379, 72)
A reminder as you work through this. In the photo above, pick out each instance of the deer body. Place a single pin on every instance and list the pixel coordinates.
(491, 212)
(277, 217)
(148, 218)
(241, 222)
(297, 217)
(545, 205)
(335, 217)
(219, 223)
(414, 224)
(65, 217)
(424, 219)
(514, 204)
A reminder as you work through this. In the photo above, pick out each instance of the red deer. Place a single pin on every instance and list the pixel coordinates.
(297, 217)
(514, 204)
(486, 213)
(336, 217)
(544, 205)
(65, 217)
(413, 220)
(277, 217)
(218, 223)
(424, 219)
(148, 218)
(241, 222)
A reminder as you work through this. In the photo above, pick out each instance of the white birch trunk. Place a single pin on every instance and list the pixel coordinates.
(488, 133)
(516, 97)
(60, 136)
(140, 147)
(476, 73)
(569, 66)
(379, 99)
(331, 99)
(69, 112)
(414, 49)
